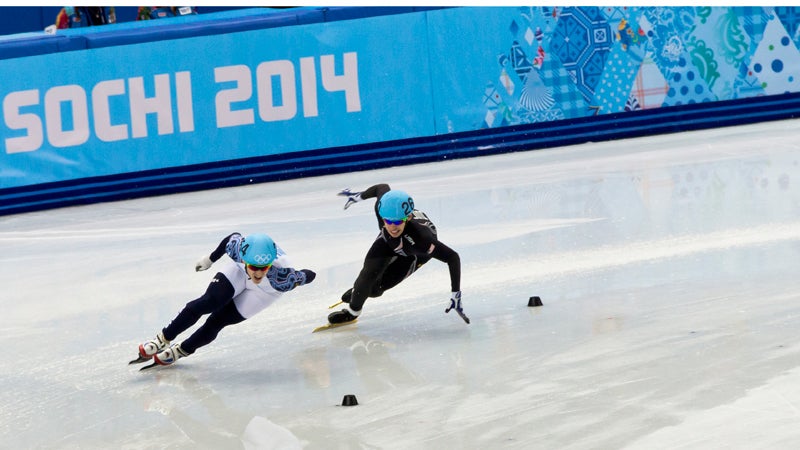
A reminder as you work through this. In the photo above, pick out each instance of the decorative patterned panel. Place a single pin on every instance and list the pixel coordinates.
(582, 40)
(571, 62)
(775, 55)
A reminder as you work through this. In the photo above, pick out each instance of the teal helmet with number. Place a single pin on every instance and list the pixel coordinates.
(258, 250)
(395, 205)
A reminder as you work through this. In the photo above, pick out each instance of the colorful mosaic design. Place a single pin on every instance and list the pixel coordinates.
(571, 62)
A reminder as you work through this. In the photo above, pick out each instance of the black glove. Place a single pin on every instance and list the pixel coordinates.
(310, 275)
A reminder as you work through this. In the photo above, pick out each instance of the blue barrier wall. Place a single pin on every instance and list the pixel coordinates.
(253, 97)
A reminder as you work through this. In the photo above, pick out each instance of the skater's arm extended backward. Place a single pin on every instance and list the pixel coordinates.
(370, 192)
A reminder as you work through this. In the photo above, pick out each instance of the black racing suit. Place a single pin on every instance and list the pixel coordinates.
(391, 260)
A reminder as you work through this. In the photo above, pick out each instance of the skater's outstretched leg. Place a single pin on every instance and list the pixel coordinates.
(217, 295)
(218, 320)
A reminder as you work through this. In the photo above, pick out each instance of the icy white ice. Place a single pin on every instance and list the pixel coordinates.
(667, 267)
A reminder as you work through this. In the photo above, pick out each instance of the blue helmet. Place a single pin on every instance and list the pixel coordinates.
(395, 205)
(258, 250)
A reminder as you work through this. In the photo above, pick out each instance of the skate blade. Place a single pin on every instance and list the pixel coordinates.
(333, 325)
(335, 304)
(149, 366)
(141, 359)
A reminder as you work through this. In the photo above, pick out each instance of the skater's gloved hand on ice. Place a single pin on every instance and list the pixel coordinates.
(310, 275)
(455, 302)
(352, 197)
(202, 264)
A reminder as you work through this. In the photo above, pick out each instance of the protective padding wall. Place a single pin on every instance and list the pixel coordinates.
(124, 118)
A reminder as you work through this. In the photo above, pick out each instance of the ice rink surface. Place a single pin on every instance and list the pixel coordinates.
(667, 267)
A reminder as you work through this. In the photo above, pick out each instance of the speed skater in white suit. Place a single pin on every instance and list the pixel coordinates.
(259, 274)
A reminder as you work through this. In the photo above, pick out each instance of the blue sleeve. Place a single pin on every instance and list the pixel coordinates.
(284, 279)
(229, 245)
(232, 245)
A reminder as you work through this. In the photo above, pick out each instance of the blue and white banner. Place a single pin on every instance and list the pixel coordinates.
(187, 101)
(180, 102)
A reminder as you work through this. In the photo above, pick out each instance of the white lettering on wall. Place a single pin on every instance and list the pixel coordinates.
(70, 115)
(65, 117)
(141, 105)
(74, 97)
(283, 71)
(183, 92)
(348, 82)
(281, 104)
(226, 116)
(29, 122)
(103, 127)
(308, 85)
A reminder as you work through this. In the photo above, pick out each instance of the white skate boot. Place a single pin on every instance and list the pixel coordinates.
(170, 355)
(153, 346)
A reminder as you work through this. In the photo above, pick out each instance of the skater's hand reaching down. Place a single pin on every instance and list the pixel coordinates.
(455, 303)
